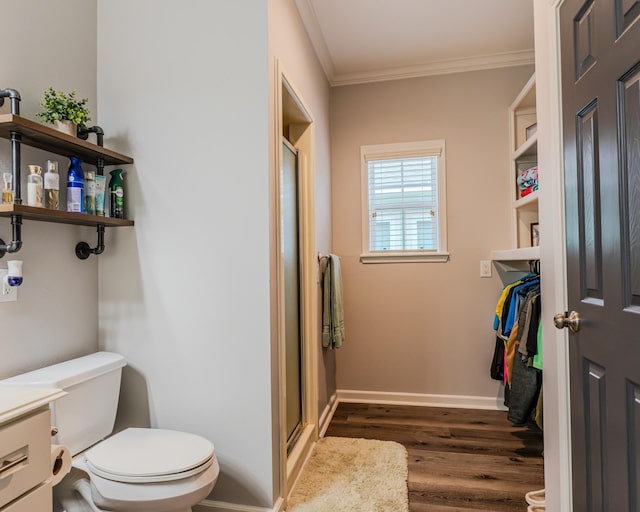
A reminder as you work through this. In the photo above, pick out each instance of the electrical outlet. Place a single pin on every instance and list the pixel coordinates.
(485, 268)
(7, 293)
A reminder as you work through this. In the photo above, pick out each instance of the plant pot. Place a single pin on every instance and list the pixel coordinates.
(67, 127)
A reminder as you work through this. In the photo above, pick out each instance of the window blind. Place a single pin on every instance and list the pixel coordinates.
(403, 204)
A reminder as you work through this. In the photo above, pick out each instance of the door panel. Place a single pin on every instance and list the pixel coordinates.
(629, 108)
(589, 202)
(633, 408)
(600, 46)
(627, 11)
(595, 405)
(583, 35)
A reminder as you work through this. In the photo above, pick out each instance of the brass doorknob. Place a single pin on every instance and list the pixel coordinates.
(566, 319)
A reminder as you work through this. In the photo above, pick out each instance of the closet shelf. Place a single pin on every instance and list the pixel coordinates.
(527, 95)
(523, 151)
(529, 148)
(529, 202)
(60, 217)
(42, 137)
(520, 254)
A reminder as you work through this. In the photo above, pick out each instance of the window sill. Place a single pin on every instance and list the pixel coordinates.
(405, 257)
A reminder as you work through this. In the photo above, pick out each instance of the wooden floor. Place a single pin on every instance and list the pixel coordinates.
(459, 459)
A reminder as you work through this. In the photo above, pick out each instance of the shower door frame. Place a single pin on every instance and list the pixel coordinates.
(291, 463)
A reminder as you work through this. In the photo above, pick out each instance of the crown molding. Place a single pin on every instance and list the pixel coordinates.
(443, 67)
(461, 65)
(310, 21)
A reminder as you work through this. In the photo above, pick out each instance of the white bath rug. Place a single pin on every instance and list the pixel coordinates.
(354, 475)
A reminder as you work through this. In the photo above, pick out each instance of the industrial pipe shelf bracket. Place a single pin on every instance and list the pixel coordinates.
(83, 250)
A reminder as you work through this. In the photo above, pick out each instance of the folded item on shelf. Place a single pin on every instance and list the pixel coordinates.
(528, 178)
(528, 190)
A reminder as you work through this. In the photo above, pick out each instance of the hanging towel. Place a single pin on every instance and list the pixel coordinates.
(332, 310)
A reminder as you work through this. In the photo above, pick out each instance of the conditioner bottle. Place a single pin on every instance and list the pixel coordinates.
(89, 193)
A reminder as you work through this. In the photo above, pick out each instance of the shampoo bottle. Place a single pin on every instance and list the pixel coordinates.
(75, 186)
(116, 194)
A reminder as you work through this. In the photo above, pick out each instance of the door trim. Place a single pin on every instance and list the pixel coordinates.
(557, 424)
(290, 466)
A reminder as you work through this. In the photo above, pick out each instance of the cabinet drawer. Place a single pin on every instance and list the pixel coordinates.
(25, 454)
(40, 500)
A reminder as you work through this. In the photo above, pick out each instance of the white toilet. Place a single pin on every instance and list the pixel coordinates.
(134, 470)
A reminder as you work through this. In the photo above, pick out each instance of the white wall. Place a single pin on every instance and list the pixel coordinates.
(184, 296)
(56, 316)
(426, 328)
(557, 428)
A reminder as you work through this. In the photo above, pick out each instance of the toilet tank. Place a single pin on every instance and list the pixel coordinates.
(87, 414)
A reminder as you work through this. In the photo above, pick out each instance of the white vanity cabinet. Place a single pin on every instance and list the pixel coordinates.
(25, 449)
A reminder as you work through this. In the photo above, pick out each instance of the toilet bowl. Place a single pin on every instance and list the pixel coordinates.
(135, 470)
(142, 470)
(82, 492)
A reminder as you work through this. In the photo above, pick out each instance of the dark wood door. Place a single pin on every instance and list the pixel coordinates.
(600, 41)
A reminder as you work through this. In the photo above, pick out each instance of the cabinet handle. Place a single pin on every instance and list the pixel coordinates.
(7, 464)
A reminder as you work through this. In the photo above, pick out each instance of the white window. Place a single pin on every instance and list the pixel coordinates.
(404, 202)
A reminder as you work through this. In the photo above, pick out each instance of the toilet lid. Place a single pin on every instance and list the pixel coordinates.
(150, 455)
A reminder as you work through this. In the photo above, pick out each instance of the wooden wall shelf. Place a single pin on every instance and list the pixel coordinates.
(42, 137)
(60, 217)
(48, 139)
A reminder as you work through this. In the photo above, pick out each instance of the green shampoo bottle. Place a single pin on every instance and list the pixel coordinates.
(116, 194)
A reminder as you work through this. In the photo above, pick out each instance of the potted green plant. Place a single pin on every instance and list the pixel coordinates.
(64, 111)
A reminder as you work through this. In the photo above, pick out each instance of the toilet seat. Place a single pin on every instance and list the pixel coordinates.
(143, 455)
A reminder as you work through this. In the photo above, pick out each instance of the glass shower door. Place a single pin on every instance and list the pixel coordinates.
(291, 257)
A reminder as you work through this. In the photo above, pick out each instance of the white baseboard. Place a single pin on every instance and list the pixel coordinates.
(327, 415)
(456, 401)
(221, 506)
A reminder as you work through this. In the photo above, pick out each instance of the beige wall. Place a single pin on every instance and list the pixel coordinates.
(425, 327)
(289, 43)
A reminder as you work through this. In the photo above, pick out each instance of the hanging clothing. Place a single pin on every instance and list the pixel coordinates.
(497, 363)
(537, 359)
(526, 385)
(517, 354)
(530, 319)
(510, 354)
